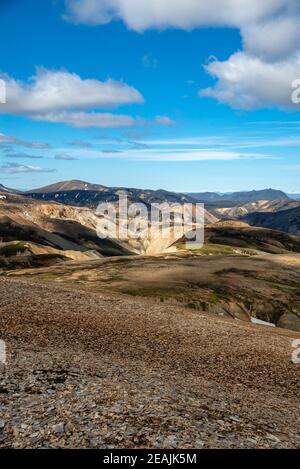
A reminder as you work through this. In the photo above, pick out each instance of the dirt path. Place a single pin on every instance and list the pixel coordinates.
(102, 370)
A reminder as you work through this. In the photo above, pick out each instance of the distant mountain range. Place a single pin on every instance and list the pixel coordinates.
(245, 196)
(73, 192)
(267, 208)
(84, 194)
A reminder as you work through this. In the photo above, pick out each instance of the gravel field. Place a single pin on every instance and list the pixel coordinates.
(104, 370)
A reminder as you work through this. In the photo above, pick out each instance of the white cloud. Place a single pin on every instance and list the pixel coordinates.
(192, 155)
(62, 97)
(248, 82)
(259, 76)
(52, 91)
(140, 15)
(88, 119)
(14, 168)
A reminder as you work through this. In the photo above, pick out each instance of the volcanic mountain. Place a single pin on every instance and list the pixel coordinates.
(73, 185)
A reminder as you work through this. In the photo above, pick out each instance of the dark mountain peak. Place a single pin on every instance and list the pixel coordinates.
(254, 195)
(242, 196)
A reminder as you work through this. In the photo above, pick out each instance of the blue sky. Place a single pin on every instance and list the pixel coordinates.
(121, 102)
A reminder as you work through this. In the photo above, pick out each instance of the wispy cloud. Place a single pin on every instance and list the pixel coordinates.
(14, 168)
(65, 157)
(232, 141)
(11, 154)
(12, 140)
(192, 155)
(81, 144)
(88, 119)
(164, 120)
(152, 154)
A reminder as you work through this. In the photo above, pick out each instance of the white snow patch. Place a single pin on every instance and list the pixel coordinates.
(262, 323)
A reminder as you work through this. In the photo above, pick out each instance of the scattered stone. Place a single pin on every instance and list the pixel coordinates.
(199, 444)
(170, 442)
(273, 438)
(58, 428)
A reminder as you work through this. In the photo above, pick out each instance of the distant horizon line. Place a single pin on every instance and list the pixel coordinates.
(189, 191)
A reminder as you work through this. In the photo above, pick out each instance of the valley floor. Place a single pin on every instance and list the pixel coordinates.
(101, 369)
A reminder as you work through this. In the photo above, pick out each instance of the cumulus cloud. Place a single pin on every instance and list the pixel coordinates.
(258, 76)
(52, 91)
(274, 39)
(14, 168)
(140, 15)
(60, 96)
(248, 82)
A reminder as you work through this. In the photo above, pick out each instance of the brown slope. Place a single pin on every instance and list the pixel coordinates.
(261, 239)
(94, 370)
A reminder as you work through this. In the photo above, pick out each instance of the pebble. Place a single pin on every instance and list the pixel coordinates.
(58, 428)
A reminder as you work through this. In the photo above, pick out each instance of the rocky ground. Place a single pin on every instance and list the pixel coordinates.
(96, 369)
